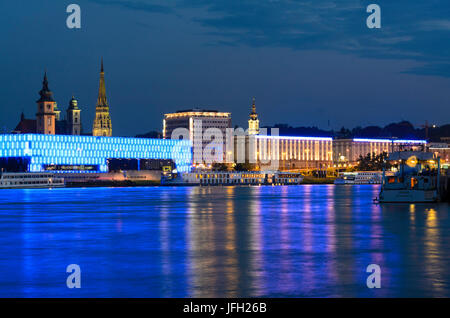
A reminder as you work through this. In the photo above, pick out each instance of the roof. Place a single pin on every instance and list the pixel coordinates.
(198, 113)
(198, 110)
(26, 126)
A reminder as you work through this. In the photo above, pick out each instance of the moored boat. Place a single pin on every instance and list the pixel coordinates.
(208, 177)
(30, 180)
(416, 178)
(359, 177)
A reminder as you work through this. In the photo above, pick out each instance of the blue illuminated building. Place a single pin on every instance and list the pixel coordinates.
(66, 153)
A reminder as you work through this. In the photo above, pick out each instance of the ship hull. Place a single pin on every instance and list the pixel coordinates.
(408, 195)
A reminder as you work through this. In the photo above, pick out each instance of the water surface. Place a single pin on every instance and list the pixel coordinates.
(287, 241)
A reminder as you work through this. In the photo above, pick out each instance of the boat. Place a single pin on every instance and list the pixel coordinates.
(30, 180)
(359, 177)
(416, 178)
(209, 177)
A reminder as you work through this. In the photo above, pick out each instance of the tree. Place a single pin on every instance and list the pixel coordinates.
(373, 162)
(244, 167)
(218, 166)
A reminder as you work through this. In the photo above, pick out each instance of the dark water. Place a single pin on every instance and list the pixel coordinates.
(295, 241)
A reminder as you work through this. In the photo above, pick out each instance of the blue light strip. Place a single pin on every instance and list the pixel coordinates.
(402, 141)
(294, 138)
(88, 150)
(410, 141)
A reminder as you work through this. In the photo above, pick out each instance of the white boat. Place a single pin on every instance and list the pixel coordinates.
(209, 177)
(29, 180)
(416, 178)
(359, 177)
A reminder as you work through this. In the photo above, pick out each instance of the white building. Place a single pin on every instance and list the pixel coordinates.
(349, 150)
(201, 124)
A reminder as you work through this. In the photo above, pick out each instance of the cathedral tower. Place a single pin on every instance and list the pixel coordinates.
(102, 121)
(45, 116)
(73, 118)
(253, 122)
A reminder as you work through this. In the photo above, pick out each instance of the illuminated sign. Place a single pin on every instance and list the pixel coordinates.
(70, 168)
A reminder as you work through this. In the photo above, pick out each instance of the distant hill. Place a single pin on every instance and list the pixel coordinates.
(151, 134)
(285, 130)
(401, 130)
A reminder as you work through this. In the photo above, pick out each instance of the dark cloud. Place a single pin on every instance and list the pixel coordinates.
(148, 6)
(418, 31)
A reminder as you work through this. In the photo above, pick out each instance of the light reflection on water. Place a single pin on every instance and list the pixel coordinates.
(293, 241)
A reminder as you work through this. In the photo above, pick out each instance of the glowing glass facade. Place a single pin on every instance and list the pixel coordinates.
(77, 151)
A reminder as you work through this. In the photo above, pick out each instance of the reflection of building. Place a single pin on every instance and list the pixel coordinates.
(64, 153)
(349, 150)
(102, 121)
(197, 123)
(253, 122)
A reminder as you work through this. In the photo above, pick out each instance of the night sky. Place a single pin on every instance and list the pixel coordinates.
(307, 62)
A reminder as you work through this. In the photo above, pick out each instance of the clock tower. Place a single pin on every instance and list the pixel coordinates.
(45, 116)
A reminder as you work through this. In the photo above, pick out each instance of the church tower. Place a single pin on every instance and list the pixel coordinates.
(73, 118)
(57, 113)
(102, 121)
(45, 116)
(253, 122)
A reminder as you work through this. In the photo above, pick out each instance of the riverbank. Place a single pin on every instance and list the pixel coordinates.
(149, 183)
(125, 183)
(314, 180)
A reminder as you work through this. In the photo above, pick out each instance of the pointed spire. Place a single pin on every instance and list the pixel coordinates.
(253, 114)
(102, 122)
(101, 100)
(45, 93)
(45, 81)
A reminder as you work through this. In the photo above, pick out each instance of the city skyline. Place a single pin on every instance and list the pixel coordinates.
(162, 58)
(253, 119)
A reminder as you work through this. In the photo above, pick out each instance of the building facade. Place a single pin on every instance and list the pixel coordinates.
(102, 122)
(441, 150)
(348, 151)
(200, 125)
(283, 152)
(77, 154)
